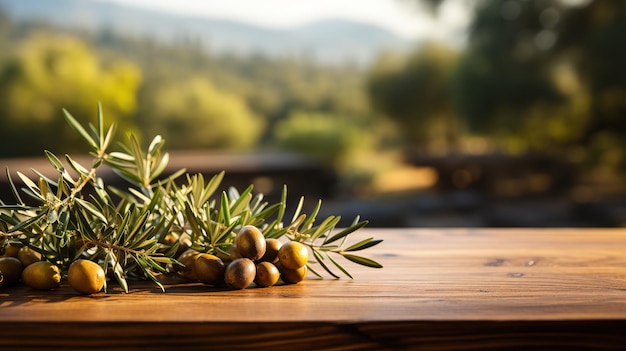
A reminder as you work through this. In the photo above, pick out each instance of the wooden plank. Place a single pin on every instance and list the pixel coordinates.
(482, 288)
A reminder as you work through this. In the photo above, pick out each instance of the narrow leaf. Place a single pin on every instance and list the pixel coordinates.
(26, 223)
(109, 136)
(296, 213)
(314, 271)
(224, 209)
(54, 161)
(326, 226)
(339, 266)
(91, 208)
(76, 166)
(320, 260)
(309, 222)
(362, 260)
(362, 245)
(16, 194)
(122, 156)
(42, 176)
(29, 183)
(345, 232)
(160, 167)
(100, 127)
(78, 128)
(155, 145)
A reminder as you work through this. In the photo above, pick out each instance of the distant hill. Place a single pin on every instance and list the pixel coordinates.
(331, 41)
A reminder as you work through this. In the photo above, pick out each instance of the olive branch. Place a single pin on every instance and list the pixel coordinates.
(129, 231)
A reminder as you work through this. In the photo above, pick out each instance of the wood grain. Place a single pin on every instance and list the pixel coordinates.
(469, 289)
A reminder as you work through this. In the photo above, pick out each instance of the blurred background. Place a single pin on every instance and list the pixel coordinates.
(422, 113)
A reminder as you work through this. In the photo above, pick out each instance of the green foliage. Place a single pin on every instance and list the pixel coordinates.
(193, 113)
(50, 71)
(509, 68)
(539, 75)
(127, 236)
(328, 137)
(414, 91)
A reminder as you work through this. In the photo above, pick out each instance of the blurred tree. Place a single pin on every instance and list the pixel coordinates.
(545, 74)
(504, 71)
(330, 138)
(51, 72)
(415, 92)
(192, 113)
(271, 87)
(594, 38)
(549, 75)
(194, 98)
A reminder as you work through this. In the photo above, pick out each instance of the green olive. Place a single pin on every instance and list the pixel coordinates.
(240, 273)
(250, 242)
(209, 269)
(11, 268)
(266, 274)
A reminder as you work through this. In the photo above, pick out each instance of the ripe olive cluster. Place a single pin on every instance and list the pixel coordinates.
(252, 258)
(25, 264)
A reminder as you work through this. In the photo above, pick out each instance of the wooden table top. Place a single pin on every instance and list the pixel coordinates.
(439, 288)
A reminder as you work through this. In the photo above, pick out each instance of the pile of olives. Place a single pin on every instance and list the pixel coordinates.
(252, 258)
(25, 264)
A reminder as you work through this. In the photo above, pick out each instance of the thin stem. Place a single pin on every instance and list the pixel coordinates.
(113, 246)
(10, 235)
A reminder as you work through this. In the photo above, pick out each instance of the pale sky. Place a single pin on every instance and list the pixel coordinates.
(393, 15)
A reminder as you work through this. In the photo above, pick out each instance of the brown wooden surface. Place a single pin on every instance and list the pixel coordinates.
(440, 289)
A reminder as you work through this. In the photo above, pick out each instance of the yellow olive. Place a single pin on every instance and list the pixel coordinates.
(266, 274)
(209, 269)
(271, 250)
(250, 242)
(293, 276)
(42, 275)
(28, 256)
(188, 259)
(85, 276)
(240, 273)
(11, 268)
(293, 255)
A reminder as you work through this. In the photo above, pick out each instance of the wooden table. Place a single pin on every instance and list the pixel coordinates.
(469, 289)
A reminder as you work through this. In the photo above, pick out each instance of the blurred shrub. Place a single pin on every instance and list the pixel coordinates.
(193, 113)
(51, 72)
(414, 91)
(331, 138)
